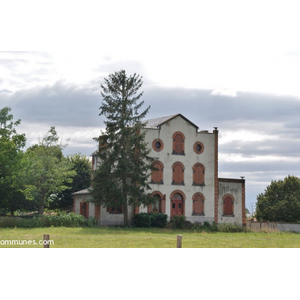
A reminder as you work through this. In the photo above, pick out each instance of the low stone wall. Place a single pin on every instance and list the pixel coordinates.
(269, 226)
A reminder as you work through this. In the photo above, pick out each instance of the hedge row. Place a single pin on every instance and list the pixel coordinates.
(67, 220)
(180, 222)
(150, 220)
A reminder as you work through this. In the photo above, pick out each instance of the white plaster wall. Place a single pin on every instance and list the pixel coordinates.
(78, 199)
(91, 210)
(108, 219)
(236, 190)
(81, 198)
(207, 158)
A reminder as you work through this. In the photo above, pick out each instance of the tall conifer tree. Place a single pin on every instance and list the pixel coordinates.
(121, 178)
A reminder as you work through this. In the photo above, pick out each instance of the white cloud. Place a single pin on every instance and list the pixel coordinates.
(244, 135)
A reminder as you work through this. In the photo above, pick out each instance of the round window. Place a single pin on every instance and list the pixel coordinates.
(198, 147)
(157, 145)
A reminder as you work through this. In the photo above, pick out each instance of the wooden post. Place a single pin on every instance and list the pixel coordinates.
(46, 238)
(179, 241)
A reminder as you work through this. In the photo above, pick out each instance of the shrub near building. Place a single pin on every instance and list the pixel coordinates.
(150, 220)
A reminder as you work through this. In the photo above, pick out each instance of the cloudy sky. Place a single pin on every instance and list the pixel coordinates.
(230, 64)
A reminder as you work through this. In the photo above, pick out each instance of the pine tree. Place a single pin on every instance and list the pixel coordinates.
(121, 179)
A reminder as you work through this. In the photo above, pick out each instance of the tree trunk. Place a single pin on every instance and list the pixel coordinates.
(125, 207)
(125, 211)
(41, 209)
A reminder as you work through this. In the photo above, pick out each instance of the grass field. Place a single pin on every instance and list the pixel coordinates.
(63, 237)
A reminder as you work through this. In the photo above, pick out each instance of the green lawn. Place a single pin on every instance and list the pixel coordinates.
(143, 238)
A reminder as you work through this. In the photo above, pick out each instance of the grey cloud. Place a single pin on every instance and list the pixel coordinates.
(228, 112)
(282, 166)
(5, 91)
(286, 147)
(60, 104)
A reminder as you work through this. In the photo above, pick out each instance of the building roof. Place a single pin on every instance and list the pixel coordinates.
(82, 192)
(157, 122)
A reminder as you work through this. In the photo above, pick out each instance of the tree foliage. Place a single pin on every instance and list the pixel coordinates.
(48, 171)
(11, 156)
(82, 180)
(121, 178)
(280, 202)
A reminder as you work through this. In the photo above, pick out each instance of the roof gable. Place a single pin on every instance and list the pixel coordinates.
(157, 122)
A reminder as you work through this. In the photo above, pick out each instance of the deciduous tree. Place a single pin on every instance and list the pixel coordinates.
(82, 180)
(49, 172)
(11, 144)
(280, 202)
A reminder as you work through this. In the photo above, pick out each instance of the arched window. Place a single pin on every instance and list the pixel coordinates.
(198, 204)
(228, 205)
(157, 175)
(159, 203)
(198, 174)
(178, 173)
(178, 143)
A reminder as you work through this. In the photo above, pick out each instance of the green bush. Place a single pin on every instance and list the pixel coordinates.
(66, 220)
(210, 227)
(150, 220)
(225, 227)
(178, 222)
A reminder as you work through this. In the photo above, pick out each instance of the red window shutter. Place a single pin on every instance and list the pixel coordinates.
(178, 144)
(87, 208)
(198, 205)
(178, 174)
(198, 175)
(228, 206)
(97, 211)
(157, 176)
(163, 204)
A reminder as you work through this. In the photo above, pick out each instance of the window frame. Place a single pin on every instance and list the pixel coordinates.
(162, 203)
(203, 206)
(161, 143)
(161, 166)
(175, 145)
(225, 208)
(195, 166)
(175, 165)
(195, 147)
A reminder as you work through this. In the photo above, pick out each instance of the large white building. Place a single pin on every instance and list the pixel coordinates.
(186, 182)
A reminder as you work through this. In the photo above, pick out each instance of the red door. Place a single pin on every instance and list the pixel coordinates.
(177, 205)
